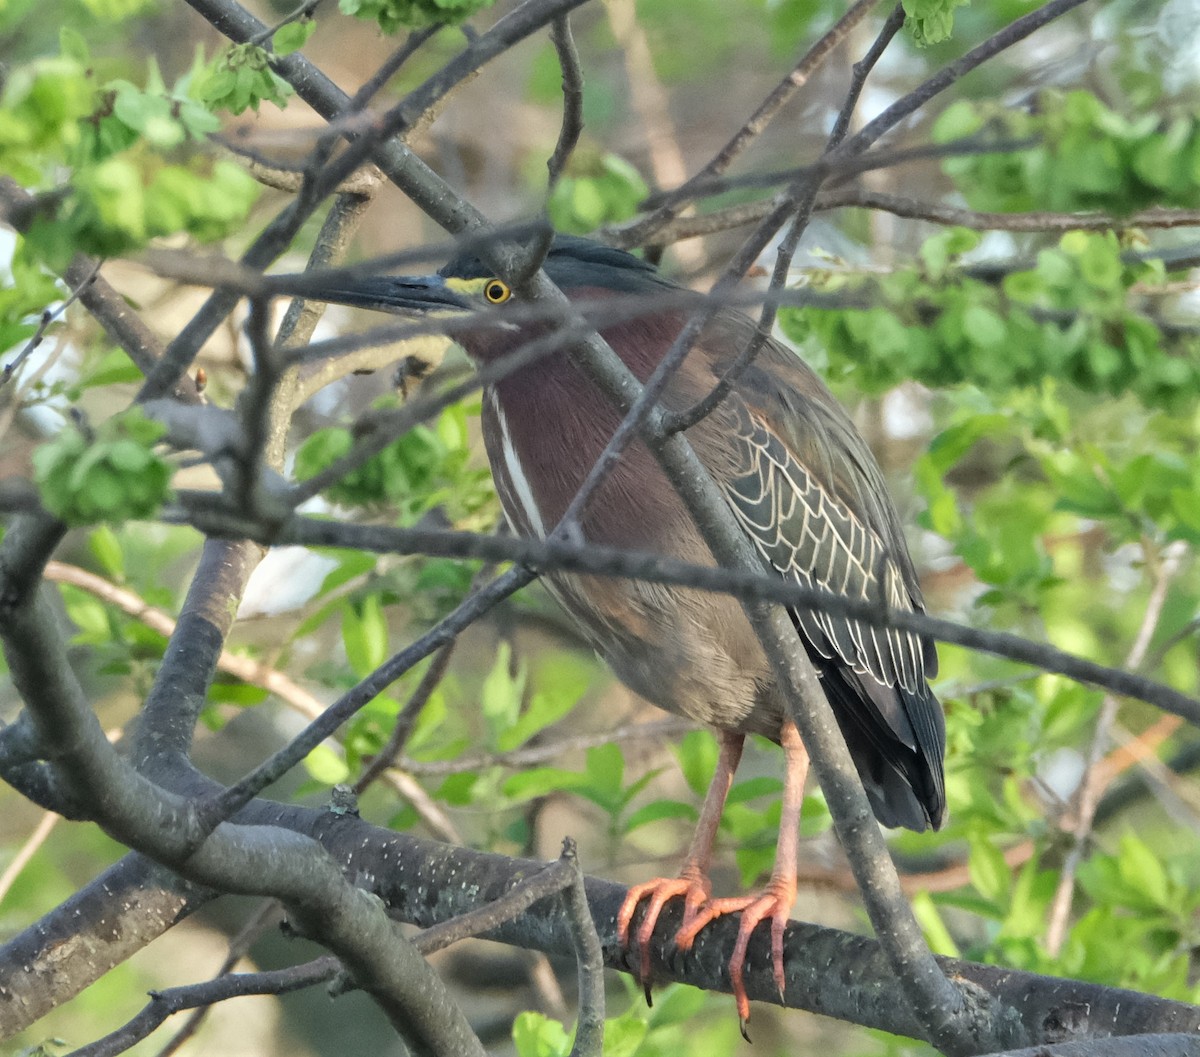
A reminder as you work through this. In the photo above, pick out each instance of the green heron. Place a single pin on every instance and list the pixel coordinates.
(802, 483)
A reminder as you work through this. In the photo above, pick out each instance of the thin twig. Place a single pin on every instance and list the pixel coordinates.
(738, 216)
(554, 878)
(651, 104)
(529, 755)
(27, 851)
(164, 1004)
(839, 168)
(390, 67)
(270, 770)
(747, 585)
(1088, 796)
(48, 318)
(572, 90)
(251, 929)
(407, 717)
(304, 11)
(643, 230)
(589, 961)
(679, 421)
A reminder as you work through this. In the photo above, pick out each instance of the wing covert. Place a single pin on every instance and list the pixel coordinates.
(808, 535)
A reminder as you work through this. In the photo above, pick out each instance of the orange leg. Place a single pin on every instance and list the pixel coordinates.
(775, 901)
(692, 883)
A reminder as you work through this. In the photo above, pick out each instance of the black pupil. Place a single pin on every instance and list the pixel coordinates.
(495, 291)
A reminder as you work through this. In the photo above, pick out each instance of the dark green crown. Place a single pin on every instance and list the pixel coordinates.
(574, 262)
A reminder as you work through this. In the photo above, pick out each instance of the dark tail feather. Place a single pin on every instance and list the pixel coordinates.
(903, 778)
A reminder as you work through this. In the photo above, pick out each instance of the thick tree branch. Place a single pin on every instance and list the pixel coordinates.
(255, 860)
(424, 882)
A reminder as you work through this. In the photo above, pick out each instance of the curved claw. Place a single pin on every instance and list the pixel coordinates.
(774, 902)
(692, 884)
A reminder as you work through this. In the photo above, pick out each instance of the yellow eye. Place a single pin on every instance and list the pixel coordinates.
(496, 292)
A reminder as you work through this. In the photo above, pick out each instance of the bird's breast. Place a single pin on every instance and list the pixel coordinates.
(544, 433)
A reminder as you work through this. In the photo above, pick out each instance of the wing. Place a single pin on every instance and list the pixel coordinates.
(806, 489)
(810, 537)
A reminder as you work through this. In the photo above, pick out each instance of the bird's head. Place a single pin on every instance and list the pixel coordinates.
(467, 288)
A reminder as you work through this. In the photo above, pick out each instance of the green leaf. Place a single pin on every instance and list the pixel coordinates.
(815, 818)
(676, 1004)
(502, 692)
(293, 36)
(936, 934)
(658, 810)
(1142, 871)
(326, 766)
(365, 635)
(561, 682)
(541, 781)
(114, 478)
(106, 548)
(930, 21)
(535, 1035)
(697, 755)
(987, 869)
(752, 788)
(73, 45)
(605, 774)
(624, 1035)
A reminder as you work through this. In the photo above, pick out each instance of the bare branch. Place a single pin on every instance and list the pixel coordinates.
(589, 959)
(164, 1004)
(643, 230)
(48, 318)
(1164, 569)
(747, 585)
(572, 88)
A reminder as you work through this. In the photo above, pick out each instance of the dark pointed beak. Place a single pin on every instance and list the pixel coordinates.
(390, 293)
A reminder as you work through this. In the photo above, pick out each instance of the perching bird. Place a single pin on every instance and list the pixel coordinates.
(804, 486)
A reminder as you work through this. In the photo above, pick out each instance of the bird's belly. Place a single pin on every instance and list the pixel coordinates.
(690, 652)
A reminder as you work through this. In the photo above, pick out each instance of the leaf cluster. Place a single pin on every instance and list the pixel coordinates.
(396, 14)
(1068, 318)
(596, 189)
(113, 137)
(426, 468)
(1087, 156)
(663, 1030)
(112, 474)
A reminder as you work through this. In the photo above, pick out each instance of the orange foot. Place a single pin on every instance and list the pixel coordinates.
(774, 902)
(692, 883)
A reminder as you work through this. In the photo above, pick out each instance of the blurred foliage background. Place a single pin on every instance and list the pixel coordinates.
(1033, 394)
